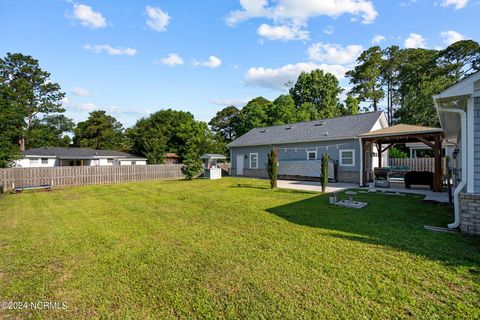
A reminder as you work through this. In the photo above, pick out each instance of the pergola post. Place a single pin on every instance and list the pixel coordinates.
(379, 153)
(364, 173)
(437, 176)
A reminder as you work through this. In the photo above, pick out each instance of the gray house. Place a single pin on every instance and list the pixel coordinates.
(301, 145)
(57, 156)
(459, 111)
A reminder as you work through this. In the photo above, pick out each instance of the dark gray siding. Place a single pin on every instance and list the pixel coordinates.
(476, 122)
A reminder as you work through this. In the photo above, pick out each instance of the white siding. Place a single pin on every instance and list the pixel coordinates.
(26, 163)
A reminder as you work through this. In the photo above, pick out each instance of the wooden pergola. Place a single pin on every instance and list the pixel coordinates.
(385, 138)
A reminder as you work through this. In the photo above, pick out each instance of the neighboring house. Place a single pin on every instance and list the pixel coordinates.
(459, 111)
(171, 158)
(56, 156)
(301, 145)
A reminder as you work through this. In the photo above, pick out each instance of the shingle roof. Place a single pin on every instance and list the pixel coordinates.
(213, 156)
(317, 130)
(400, 129)
(76, 153)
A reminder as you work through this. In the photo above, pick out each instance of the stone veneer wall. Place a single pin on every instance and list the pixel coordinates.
(470, 213)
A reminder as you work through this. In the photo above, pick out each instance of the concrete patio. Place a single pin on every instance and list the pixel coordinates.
(315, 186)
(338, 187)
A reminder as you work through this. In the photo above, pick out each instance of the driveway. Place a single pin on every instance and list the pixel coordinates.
(335, 187)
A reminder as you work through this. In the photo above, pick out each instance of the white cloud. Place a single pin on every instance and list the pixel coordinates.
(172, 59)
(277, 78)
(284, 33)
(89, 107)
(81, 92)
(334, 53)
(378, 38)
(88, 17)
(449, 37)
(230, 102)
(98, 48)
(328, 30)
(299, 12)
(415, 40)
(213, 62)
(458, 4)
(157, 19)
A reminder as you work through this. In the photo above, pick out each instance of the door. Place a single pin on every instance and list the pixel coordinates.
(240, 164)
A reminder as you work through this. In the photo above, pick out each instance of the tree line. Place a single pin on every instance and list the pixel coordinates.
(399, 81)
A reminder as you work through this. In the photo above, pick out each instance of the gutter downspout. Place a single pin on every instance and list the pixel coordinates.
(463, 182)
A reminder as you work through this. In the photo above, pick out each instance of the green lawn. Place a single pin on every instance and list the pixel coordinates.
(232, 248)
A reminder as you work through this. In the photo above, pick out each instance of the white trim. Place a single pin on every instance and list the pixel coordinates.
(461, 88)
(471, 145)
(340, 160)
(310, 151)
(250, 160)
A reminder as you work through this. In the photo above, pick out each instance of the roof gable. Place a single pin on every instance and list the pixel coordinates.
(466, 86)
(400, 129)
(317, 130)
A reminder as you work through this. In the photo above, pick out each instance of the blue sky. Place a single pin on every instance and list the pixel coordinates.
(132, 58)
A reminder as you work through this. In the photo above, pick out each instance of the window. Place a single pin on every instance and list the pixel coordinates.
(347, 158)
(253, 160)
(109, 161)
(134, 163)
(44, 161)
(33, 161)
(311, 154)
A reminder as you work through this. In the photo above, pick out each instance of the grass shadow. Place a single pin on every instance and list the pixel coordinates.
(392, 221)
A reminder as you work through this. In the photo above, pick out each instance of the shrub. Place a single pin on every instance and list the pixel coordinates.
(397, 153)
(272, 167)
(324, 175)
(191, 168)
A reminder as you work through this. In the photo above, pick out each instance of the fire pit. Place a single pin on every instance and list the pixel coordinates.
(350, 203)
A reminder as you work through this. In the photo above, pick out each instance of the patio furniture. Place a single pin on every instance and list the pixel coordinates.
(381, 177)
(419, 178)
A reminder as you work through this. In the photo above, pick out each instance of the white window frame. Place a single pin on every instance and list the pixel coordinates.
(340, 156)
(33, 161)
(44, 162)
(250, 160)
(312, 151)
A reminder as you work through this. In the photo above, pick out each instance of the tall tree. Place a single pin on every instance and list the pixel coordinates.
(99, 131)
(253, 115)
(351, 105)
(366, 77)
(31, 91)
(224, 122)
(282, 110)
(319, 88)
(172, 131)
(11, 129)
(51, 131)
(389, 78)
(463, 56)
(420, 77)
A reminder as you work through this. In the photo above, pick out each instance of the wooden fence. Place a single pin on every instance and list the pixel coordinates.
(415, 164)
(80, 176)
